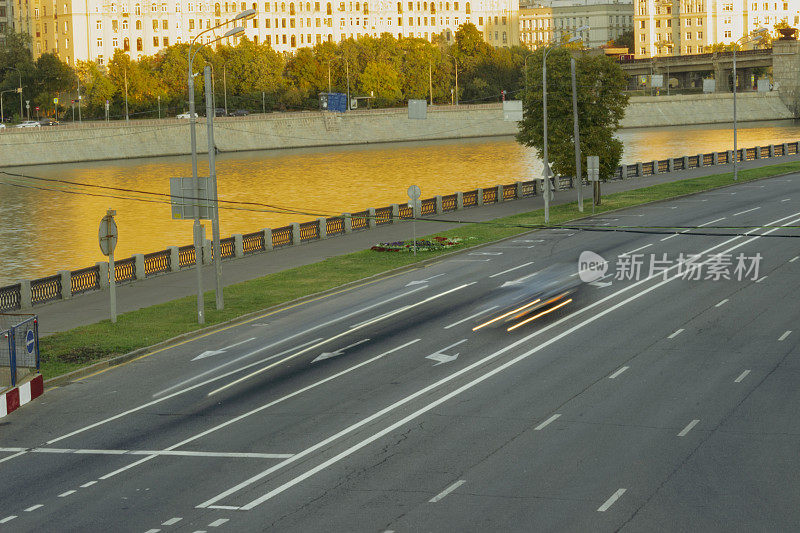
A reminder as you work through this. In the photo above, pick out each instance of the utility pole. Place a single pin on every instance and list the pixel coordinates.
(225, 86)
(212, 173)
(126, 95)
(430, 80)
(576, 136)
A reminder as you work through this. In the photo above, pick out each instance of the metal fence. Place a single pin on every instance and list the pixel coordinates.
(19, 347)
(25, 294)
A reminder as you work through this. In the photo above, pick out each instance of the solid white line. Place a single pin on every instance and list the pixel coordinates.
(33, 507)
(469, 385)
(785, 199)
(219, 522)
(707, 223)
(447, 491)
(261, 408)
(793, 259)
(89, 484)
(783, 337)
(471, 317)
(546, 423)
(741, 376)
(227, 507)
(8, 519)
(181, 453)
(759, 280)
(511, 269)
(13, 449)
(172, 521)
(609, 502)
(743, 212)
(723, 302)
(618, 372)
(688, 428)
(90, 452)
(50, 450)
(13, 456)
(65, 494)
(678, 332)
(348, 332)
(636, 250)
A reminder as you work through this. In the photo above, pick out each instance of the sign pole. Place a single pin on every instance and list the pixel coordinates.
(112, 287)
(108, 241)
(414, 193)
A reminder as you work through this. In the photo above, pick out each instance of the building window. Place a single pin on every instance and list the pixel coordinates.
(125, 24)
(164, 24)
(699, 35)
(99, 42)
(727, 34)
(641, 26)
(155, 42)
(155, 25)
(165, 41)
(191, 24)
(688, 49)
(126, 45)
(138, 9)
(114, 42)
(99, 25)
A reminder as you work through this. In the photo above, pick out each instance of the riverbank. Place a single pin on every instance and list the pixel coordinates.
(166, 137)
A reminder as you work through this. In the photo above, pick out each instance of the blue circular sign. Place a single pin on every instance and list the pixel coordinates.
(29, 341)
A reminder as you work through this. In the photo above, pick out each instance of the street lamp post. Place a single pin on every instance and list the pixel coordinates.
(756, 37)
(544, 120)
(193, 137)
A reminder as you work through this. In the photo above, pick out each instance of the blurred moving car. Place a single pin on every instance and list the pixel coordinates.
(239, 113)
(185, 115)
(29, 124)
(530, 297)
(49, 122)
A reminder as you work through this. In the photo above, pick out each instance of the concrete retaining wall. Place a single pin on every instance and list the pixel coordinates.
(118, 140)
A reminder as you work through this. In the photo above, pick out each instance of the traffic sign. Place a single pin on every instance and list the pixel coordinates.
(108, 233)
(55, 100)
(414, 192)
(30, 341)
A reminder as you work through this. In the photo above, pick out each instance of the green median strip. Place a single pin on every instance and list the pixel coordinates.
(80, 347)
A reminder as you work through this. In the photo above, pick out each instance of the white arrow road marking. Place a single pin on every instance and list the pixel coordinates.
(209, 353)
(340, 351)
(424, 280)
(442, 357)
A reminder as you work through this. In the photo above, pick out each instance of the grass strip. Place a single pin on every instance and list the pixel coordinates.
(82, 346)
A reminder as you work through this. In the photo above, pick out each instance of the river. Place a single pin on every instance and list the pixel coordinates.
(43, 231)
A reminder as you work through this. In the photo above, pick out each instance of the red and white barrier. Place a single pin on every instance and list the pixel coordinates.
(12, 399)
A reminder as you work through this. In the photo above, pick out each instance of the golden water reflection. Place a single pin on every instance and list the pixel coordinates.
(43, 231)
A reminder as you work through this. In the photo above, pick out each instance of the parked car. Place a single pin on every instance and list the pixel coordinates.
(29, 124)
(220, 112)
(240, 113)
(48, 122)
(185, 115)
(2, 126)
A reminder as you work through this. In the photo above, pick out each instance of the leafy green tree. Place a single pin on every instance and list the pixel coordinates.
(52, 77)
(624, 40)
(96, 87)
(382, 80)
(601, 106)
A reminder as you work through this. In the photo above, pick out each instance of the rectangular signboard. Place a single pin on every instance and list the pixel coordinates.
(512, 110)
(184, 196)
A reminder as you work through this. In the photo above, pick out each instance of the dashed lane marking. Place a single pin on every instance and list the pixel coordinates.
(219, 522)
(8, 519)
(618, 372)
(783, 337)
(678, 332)
(448, 490)
(688, 427)
(89, 484)
(546, 422)
(723, 302)
(172, 521)
(741, 376)
(609, 502)
(33, 507)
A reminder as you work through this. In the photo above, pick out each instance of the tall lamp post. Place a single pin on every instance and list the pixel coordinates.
(193, 136)
(756, 37)
(549, 47)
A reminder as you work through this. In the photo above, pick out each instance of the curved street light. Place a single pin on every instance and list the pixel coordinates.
(249, 13)
(549, 47)
(756, 37)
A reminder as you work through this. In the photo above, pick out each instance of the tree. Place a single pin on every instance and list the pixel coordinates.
(601, 106)
(624, 40)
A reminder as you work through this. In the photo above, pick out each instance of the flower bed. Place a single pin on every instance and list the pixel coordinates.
(423, 245)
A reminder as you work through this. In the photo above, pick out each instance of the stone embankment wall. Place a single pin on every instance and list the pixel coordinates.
(119, 140)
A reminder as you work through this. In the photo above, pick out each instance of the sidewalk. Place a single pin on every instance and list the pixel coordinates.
(93, 307)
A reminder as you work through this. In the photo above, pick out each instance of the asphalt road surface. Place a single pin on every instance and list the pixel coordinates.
(651, 402)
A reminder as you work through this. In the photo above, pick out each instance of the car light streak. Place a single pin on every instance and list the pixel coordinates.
(476, 328)
(534, 317)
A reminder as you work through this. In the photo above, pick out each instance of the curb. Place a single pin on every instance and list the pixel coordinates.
(13, 399)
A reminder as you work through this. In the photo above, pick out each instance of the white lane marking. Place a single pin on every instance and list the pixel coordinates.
(87, 451)
(89, 484)
(618, 372)
(442, 357)
(340, 351)
(678, 332)
(785, 199)
(511, 269)
(609, 502)
(8, 519)
(152, 531)
(793, 259)
(783, 337)
(759, 280)
(33, 507)
(636, 250)
(209, 353)
(743, 212)
(688, 427)
(65, 494)
(226, 507)
(172, 521)
(723, 302)
(671, 236)
(261, 408)
(422, 281)
(325, 341)
(711, 222)
(741, 376)
(546, 422)
(470, 384)
(486, 253)
(13, 449)
(179, 453)
(448, 490)
(233, 361)
(471, 317)
(218, 522)
(469, 260)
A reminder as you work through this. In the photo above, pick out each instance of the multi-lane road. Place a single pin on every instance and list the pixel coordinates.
(657, 402)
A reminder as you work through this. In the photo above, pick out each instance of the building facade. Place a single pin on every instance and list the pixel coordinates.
(543, 23)
(6, 18)
(677, 27)
(93, 29)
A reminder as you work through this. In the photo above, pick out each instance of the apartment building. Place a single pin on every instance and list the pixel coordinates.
(676, 27)
(545, 22)
(6, 18)
(93, 29)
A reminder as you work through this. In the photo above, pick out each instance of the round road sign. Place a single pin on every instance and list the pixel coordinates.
(414, 192)
(30, 341)
(107, 234)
